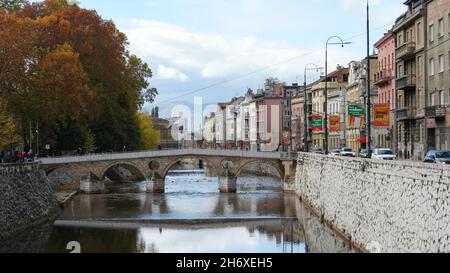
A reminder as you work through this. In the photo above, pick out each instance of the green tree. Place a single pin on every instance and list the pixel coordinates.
(150, 138)
(89, 143)
(155, 112)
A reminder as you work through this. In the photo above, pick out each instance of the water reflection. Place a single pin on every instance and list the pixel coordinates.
(262, 237)
(191, 217)
(188, 196)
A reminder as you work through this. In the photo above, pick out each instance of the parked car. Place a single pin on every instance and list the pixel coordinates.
(364, 153)
(348, 152)
(335, 152)
(438, 157)
(317, 151)
(383, 154)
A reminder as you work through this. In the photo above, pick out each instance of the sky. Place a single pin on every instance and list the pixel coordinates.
(217, 49)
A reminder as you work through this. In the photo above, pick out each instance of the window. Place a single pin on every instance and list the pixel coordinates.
(441, 97)
(441, 63)
(433, 99)
(420, 66)
(431, 33)
(431, 67)
(441, 27)
(419, 33)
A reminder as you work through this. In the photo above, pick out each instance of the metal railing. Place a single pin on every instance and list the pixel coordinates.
(406, 81)
(405, 50)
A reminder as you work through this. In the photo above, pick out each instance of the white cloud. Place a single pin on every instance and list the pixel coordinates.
(170, 73)
(217, 56)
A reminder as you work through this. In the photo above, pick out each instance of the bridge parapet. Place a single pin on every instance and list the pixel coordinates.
(158, 154)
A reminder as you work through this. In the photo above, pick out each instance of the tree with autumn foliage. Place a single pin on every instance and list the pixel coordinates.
(150, 138)
(70, 71)
(8, 133)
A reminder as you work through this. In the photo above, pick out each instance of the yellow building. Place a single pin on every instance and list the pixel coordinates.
(337, 82)
(356, 95)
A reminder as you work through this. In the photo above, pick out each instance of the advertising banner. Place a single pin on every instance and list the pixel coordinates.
(381, 115)
(356, 110)
(356, 116)
(317, 124)
(335, 124)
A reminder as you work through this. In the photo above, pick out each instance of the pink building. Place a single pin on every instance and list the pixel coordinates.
(385, 81)
(266, 108)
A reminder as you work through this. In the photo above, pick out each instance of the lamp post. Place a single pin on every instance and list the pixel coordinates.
(308, 67)
(342, 43)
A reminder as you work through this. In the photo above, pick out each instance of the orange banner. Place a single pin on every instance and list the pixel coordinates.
(381, 115)
(356, 122)
(335, 124)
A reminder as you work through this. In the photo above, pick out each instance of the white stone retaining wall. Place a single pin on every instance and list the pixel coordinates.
(384, 206)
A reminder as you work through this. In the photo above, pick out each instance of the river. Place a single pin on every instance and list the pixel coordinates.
(192, 216)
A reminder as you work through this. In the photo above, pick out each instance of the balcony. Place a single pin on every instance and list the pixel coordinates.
(409, 18)
(437, 112)
(383, 77)
(406, 114)
(407, 82)
(406, 51)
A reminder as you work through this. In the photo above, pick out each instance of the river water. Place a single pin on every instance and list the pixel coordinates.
(192, 216)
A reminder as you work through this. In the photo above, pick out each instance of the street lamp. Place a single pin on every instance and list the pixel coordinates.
(308, 67)
(342, 43)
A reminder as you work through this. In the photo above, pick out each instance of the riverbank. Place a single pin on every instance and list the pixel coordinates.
(26, 199)
(380, 206)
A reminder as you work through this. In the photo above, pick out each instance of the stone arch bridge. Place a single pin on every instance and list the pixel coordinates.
(90, 170)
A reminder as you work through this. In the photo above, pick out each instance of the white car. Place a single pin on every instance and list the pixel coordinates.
(383, 154)
(347, 152)
(335, 152)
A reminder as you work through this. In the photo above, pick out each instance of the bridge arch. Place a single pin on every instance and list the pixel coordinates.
(102, 174)
(169, 165)
(275, 165)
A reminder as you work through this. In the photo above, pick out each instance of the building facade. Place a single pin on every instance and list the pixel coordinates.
(386, 84)
(337, 84)
(167, 140)
(356, 98)
(410, 32)
(209, 131)
(438, 75)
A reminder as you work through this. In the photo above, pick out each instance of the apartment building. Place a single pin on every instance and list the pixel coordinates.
(209, 130)
(356, 104)
(410, 31)
(437, 110)
(220, 123)
(337, 83)
(386, 84)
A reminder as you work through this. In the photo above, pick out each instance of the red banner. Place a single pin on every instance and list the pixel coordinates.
(335, 124)
(317, 124)
(381, 115)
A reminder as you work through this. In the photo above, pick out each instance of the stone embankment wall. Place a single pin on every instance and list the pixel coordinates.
(26, 198)
(382, 206)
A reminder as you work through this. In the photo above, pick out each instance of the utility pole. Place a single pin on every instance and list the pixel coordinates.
(37, 140)
(31, 138)
(368, 79)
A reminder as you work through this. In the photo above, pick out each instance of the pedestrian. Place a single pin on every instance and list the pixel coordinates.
(2, 157)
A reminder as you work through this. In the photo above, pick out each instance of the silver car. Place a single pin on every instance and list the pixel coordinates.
(383, 154)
